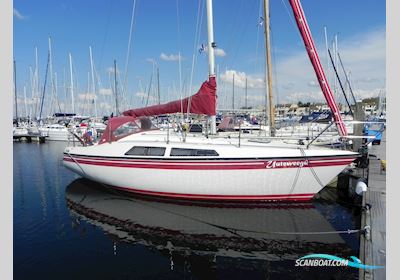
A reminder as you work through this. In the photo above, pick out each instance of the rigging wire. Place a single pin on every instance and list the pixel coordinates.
(106, 33)
(233, 31)
(129, 45)
(99, 86)
(179, 54)
(312, 169)
(274, 68)
(199, 22)
(290, 15)
(258, 39)
(239, 33)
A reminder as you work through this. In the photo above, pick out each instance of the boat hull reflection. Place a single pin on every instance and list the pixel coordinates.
(272, 232)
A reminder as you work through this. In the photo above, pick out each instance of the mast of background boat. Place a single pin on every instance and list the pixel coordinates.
(65, 91)
(15, 92)
(327, 54)
(347, 80)
(44, 87)
(340, 82)
(71, 83)
(115, 88)
(158, 85)
(51, 76)
(245, 94)
(93, 85)
(268, 71)
(54, 96)
(233, 93)
(211, 58)
(305, 32)
(32, 87)
(26, 108)
(56, 89)
(36, 84)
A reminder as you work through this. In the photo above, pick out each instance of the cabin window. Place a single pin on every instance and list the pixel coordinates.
(192, 152)
(146, 151)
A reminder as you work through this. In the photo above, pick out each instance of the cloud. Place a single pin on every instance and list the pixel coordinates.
(111, 70)
(144, 95)
(170, 57)
(29, 101)
(363, 55)
(217, 52)
(366, 80)
(313, 84)
(105, 106)
(105, 91)
(304, 96)
(18, 15)
(87, 96)
(287, 85)
(317, 96)
(240, 79)
(257, 99)
(140, 94)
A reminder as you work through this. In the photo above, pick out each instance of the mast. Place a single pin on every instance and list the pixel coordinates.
(51, 76)
(158, 85)
(44, 86)
(71, 83)
(316, 63)
(268, 70)
(37, 85)
(15, 92)
(340, 82)
(233, 92)
(327, 54)
(93, 85)
(347, 79)
(31, 79)
(336, 63)
(245, 94)
(26, 108)
(56, 91)
(211, 58)
(115, 88)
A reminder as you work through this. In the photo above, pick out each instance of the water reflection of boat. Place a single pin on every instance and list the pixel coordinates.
(272, 232)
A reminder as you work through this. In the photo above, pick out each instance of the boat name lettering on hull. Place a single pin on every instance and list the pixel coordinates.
(286, 164)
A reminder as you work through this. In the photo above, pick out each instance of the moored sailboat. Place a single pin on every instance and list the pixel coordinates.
(135, 156)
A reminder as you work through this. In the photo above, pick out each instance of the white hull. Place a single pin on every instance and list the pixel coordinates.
(56, 133)
(254, 173)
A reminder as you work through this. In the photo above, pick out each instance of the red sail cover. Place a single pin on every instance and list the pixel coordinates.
(113, 124)
(203, 102)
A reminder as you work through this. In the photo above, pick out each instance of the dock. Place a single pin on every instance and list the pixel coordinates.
(373, 242)
(30, 137)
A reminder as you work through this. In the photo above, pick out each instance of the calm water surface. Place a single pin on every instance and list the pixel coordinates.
(70, 228)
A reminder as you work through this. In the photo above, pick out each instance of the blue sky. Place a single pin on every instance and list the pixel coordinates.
(104, 25)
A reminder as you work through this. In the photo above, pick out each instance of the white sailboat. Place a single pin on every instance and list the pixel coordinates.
(133, 155)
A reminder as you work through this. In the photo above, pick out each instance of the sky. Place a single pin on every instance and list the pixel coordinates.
(169, 34)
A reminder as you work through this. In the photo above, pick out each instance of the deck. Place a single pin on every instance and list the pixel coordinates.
(373, 243)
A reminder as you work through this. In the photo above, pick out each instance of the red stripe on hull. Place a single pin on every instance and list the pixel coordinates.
(209, 165)
(275, 197)
(188, 161)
